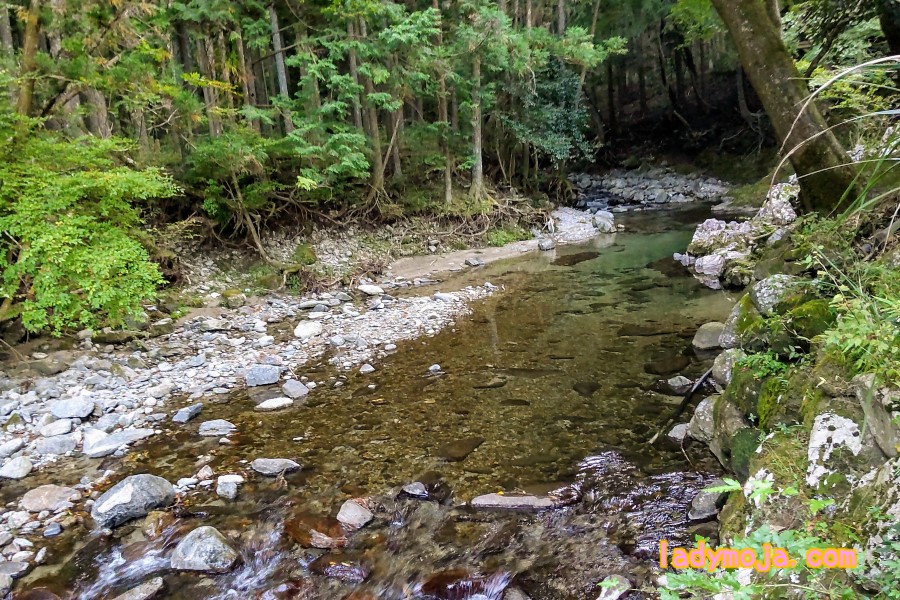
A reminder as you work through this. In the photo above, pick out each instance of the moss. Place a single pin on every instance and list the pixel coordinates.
(743, 391)
(304, 255)
(230, 293)
(733, 517)
(770, 406)
(742, 447)
(507, 234)
(749, 322)
(811, 318)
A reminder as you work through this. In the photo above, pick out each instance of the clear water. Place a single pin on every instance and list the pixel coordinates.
(549, 380)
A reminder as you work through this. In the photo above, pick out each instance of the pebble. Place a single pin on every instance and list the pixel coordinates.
(187, 413)
(273, 404)
(16, 468)
(216, 428)
(273, 466)
(366, 369)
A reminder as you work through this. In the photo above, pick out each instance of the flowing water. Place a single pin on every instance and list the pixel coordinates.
(546, 386)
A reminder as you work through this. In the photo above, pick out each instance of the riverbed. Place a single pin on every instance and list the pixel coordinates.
(547, 386)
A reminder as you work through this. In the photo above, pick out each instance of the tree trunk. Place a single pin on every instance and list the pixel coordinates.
(248, 88)
(354, 74)
(184, 46)
(594, 15)
(225, 72)
(377, 181)
(642, 75)
(280, 69)
(210, 95)
(29, 58)
(611, 122)
(561, 17)
(443, 115)
(6, 40)
(816, 155)
(889, 15)
(528, 16)
(477, 189)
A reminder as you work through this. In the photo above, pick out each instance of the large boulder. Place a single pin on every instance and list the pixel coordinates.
(881, 407)
(72, 408)
(724, 364)
(707, 337)
(131, 498)
(204, 549)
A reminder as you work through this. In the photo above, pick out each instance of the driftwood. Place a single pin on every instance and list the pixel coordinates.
(682, 406)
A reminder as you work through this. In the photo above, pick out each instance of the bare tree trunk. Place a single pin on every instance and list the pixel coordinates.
(222, 60)
(529, 22)
(817, 156)
(6, 40)
(611, 122)
(642, 75)
(210, 95)
(477, 189)
(248, 89)
(594, 15)
(354, 74)
(280, 69)
(454, 110)
(444, 117)
(889, 16)
(184, 45)
(29, 58)
(561, 17)
(377, 181)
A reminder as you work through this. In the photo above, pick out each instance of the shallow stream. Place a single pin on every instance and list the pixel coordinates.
(548, 385)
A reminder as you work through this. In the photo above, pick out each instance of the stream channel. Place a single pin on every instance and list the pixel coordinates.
(548, 385)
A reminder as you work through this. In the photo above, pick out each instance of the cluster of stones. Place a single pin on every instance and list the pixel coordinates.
(722, 253)
(624, 190)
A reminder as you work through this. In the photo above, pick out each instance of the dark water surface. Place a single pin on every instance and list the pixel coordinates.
(544, 386)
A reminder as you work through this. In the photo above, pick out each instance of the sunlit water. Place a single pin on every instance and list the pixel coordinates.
(549, 381)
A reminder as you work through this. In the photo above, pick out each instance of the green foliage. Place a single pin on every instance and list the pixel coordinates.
(764, 364)
(507, 234)
(69, 255)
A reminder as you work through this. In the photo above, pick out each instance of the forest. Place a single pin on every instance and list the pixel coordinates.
(241, 115)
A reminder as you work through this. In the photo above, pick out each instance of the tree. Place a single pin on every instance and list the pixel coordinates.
(815, 153)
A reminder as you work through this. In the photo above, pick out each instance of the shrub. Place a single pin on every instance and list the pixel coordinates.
(68, 253)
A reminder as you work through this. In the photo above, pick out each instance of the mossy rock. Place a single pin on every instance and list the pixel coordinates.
(742, 447)
(269, 281)
(733, 517)
(771, 406)
(743, 391)
(811, 318)
(304, 255)
(231, 293)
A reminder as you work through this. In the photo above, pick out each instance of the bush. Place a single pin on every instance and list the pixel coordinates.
(68, 254)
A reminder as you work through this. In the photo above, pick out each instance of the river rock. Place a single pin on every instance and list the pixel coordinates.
(144, 591)
(72, 408)
(17, 468)
(11, 447)
(48, 497)
(131, 498)
(370, 290)
(341, 567)
(613, 587)
(101, 444)
(511, 502)
(6, 583)
(262, 375)
(678, 433)
(701, 426)
(366, 369)
(273, 404)
(769, 292)
(546, 245)
(458, 450)
(707, 337)
(204, 549)
(294, 389)
(307, 329)
(724, 364)
(227, 486)
(273, 466)
(52, 530)
(312, 531)
(667, 365)
(56, 445)
(705, 505)
(354, 515)
(162, 390)
(216, 427)
(187, 413)
(60, 427)
(14, 568)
